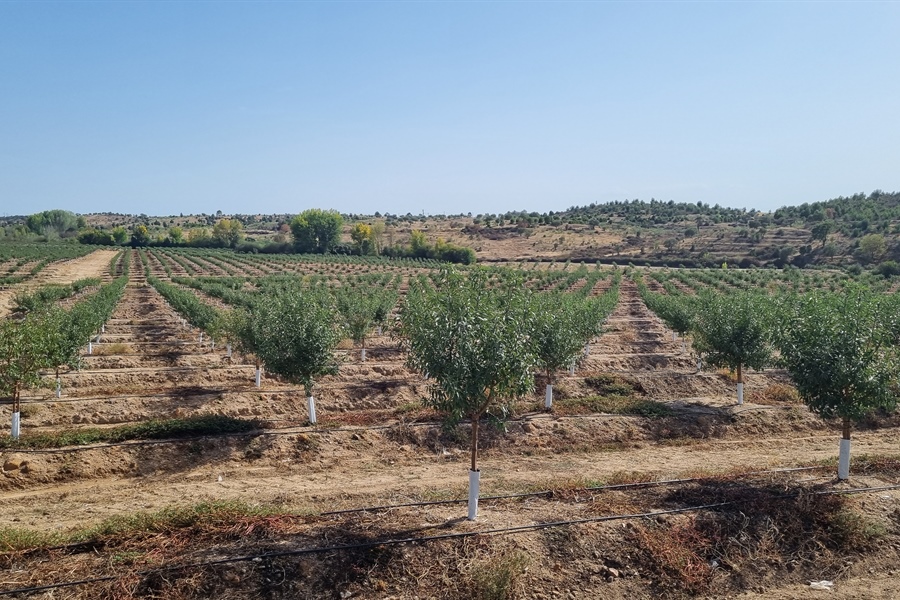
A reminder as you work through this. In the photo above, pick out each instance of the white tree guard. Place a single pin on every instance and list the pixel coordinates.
(16, 425)
(740, 393)
(844, 460)
(474, 489)
(548, 396)
(311, 406)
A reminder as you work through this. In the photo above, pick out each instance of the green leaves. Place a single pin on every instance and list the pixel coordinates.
(735, 330)
(295, 336)
(678, 312)
(473, 340)
(49, 294)
(188, 305)
(357, 307)
(316, 230)
(24, 350)
(51, 337)
(561, 325)
(840, 353)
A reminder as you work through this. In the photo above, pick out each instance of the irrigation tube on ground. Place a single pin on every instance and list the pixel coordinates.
(596, 488)
(418, 540)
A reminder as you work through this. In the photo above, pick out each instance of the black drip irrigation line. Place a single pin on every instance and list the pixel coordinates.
(597, 488)
(259, 432)
(424, 539)
(322, 429)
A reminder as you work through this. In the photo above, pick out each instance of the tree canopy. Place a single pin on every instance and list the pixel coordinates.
(316, 230)
(838, 350)
(472, 340)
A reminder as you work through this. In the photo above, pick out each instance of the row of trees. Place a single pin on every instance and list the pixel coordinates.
(841, 350)
(50, 337)
(292, 330)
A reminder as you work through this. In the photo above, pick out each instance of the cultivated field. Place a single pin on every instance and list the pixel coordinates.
(163, 470)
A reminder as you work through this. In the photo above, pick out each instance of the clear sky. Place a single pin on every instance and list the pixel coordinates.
(443, 107)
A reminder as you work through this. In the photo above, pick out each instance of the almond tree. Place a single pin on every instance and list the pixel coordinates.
(357, 307)
(677, 312)
(472, 341)
(735, 330)
(840, 353)
(561, 327)
(24, 351)
(295, 336)
(237, 327)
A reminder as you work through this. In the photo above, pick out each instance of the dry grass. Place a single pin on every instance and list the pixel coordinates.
(678, 555)
(776, 394)
(116, 349)
(727, 374)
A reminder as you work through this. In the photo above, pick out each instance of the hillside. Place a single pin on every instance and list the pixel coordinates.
(860, 229)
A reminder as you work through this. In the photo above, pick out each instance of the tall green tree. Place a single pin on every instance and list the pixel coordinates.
(228, 232)
(176, 235)
(471, 339)
(872, 247)
(120, 234)
(840, 351)
(140, 235)
(821, 230)
(58, 221)
(316, 230)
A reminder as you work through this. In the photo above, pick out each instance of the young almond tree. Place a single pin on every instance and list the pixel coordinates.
(473, 341)
(237, 327)
(24, 351)
(357, 307)
(839, 351)
(387, 299)
(677, 312)
(66, 334)
(295, 336)
(735, 330)
(562, 325)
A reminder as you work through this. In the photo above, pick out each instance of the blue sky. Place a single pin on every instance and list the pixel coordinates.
(443, 107)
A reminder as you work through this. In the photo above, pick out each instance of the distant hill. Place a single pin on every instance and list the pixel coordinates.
(859, 229)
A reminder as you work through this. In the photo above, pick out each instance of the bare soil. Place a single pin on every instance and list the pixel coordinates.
(95, 264)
